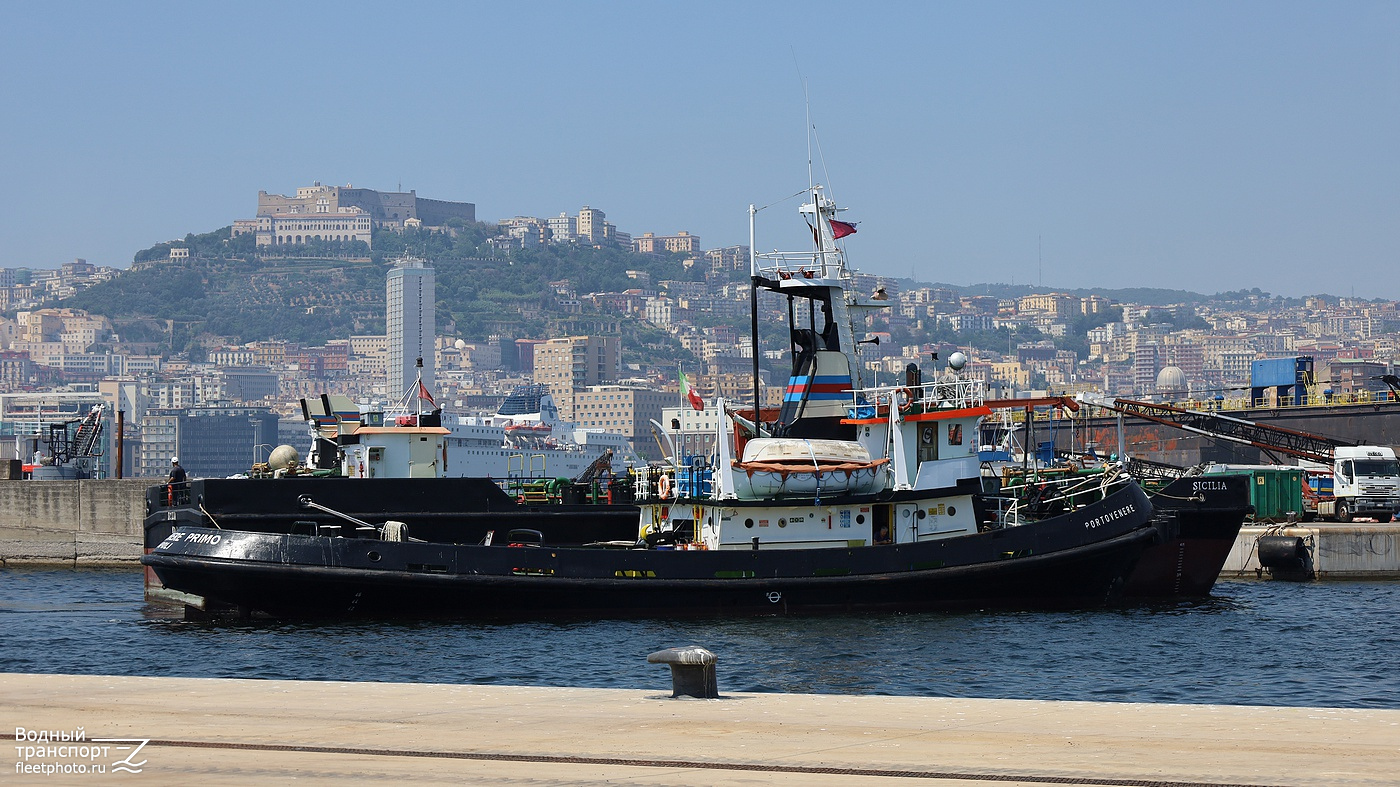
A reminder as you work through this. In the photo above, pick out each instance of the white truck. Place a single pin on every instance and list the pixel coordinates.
(1363, 481)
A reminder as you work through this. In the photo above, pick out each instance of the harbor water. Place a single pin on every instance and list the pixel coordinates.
(1252, 643)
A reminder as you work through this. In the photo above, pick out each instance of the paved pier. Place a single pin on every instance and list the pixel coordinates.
(215, 731)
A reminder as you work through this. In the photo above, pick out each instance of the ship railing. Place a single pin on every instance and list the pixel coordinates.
(1042, 493)
(538, 490)
(1315, 399)
(641, 482)
(784, 265)
(1004, 511)
(1068, 482)
(692, 481)
(175, 494)
(952, 393)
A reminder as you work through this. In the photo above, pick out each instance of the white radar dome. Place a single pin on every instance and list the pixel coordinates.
(283, 456)
(957, 361)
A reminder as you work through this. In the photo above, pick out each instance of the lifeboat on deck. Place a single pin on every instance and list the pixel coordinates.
(791, 467)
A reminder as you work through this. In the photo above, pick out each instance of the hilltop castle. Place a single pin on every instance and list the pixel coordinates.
(344, 213)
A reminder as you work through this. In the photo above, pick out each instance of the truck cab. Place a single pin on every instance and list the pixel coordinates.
(1365, 482)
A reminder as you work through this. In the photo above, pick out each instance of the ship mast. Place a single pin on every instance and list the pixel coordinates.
(753, 319)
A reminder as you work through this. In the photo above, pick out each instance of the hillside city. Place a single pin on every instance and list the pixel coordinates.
(57, 360)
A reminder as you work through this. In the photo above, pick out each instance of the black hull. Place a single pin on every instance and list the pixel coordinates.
(441, 510)
(1074, 559)
(1201, 517)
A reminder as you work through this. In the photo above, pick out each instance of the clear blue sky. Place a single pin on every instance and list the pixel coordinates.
(1208, 146)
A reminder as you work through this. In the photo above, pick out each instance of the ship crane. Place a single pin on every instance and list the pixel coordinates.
(1391, 381)
(1344, 479)
(599, 468)
(1273, 440)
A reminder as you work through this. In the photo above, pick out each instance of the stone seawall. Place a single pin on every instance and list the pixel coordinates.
(72, 522)
(1355, 551)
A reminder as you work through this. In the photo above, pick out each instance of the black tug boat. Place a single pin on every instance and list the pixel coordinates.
(856, 498)
(1199, 517)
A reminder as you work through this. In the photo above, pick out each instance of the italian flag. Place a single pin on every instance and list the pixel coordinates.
(690, 395)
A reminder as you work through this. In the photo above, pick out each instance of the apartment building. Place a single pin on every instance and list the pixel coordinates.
(624, 410)
(409, 320)
(1055, 304)
(212, 442)
(682, 242)
(592, 224)
(1147, 362)
(573, 363)
(729, 258)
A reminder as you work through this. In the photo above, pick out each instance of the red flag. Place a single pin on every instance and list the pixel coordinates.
(423, 394)
(840, 229)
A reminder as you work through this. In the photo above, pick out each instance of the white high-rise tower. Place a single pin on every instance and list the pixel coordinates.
(409, 324)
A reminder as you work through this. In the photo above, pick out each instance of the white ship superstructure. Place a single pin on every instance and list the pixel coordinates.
(526, 438)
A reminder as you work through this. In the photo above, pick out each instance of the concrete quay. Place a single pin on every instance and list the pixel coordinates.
(218, 731)
(1354, 551)
(73, 523)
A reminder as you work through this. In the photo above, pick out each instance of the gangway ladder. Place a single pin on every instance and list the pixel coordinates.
(88, 435)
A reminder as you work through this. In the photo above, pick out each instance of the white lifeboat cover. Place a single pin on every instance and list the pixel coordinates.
(789, 450)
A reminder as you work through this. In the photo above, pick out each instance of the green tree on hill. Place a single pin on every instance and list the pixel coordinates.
(329, 290)
(219, 244)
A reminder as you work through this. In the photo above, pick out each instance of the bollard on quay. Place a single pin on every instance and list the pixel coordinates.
(692, 671)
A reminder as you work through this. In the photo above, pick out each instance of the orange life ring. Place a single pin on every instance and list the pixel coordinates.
(908, 399)
(663, 486)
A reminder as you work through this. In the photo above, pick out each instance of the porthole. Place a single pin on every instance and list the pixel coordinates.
(920, 513)
(782, 522)
(860, 519)
(374, 557)
(748, 523)
(952, 511)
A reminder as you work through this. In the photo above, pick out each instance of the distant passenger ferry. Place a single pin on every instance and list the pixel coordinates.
(525, 437)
